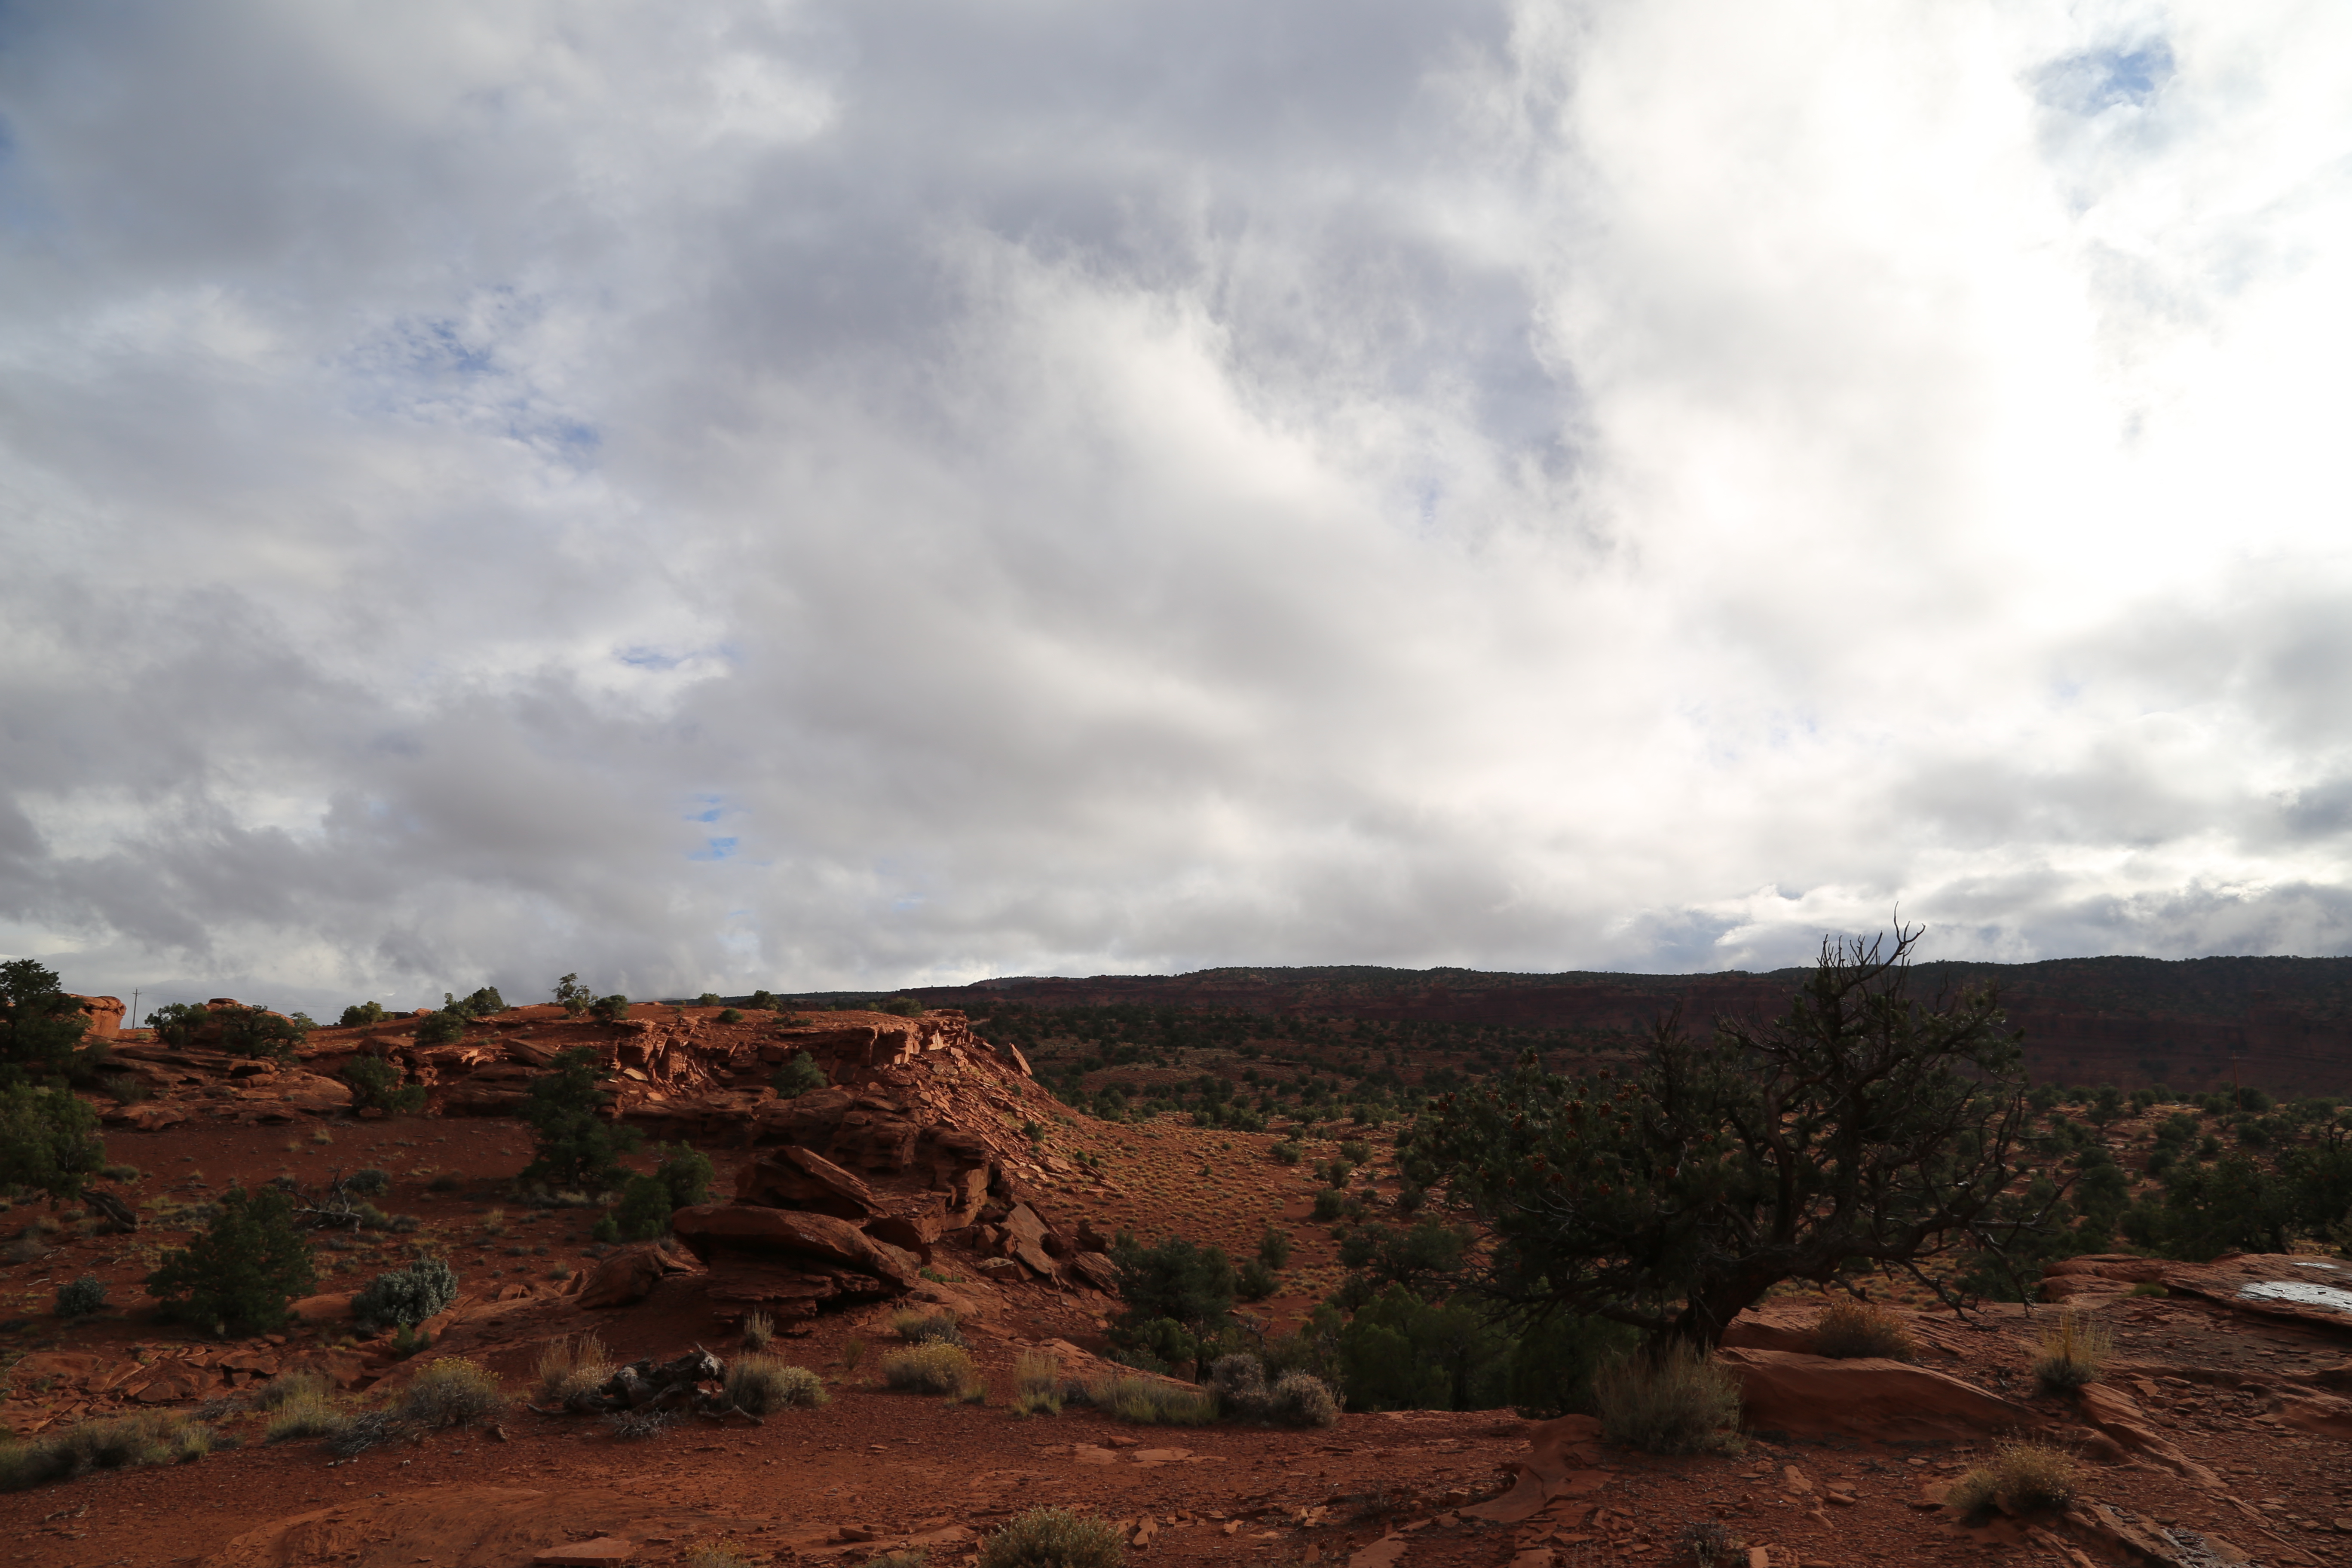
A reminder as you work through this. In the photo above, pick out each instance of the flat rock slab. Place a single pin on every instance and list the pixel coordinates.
(465, 1527)
(603, 1549)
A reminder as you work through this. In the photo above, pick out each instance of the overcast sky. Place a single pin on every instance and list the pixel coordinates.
(849, 494)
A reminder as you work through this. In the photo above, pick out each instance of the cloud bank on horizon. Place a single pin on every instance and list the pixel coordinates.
(810, 494)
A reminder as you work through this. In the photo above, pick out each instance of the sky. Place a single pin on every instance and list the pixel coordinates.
(824, 495)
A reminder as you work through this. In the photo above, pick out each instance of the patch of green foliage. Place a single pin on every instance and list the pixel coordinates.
(238, 1276)
(578, 1147)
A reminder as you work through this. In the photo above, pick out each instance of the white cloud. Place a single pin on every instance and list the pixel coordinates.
(821, 495)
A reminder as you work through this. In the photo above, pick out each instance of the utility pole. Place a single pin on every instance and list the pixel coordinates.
(134, 1006)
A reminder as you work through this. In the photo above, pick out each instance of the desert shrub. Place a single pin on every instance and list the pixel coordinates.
(636, 1425)
(577, 1148)
(762, 1000)
(731, 1015)
(1287, 1152)
(1356, 1152)
(1253, 1281)
(313, 1414)
(49, 1140)
(727, 1554)
(935, 1366)
(1036, 1383)
(569, 1367)
(368, 1181)
(2070, 1352)
(406, 1297)
(365, 1430)
(1672, 1401)
(612, 1009)
(451, 1391)
(1848, 1328)
(1273, 1248)
(1329, 1204)
(151, 1437)
(362, 1013)
(1054, 1538)
(760, 1383)
(1302, 1399)
(1709, 1543)
(82, 1298)
(920, 1328)
(238, 1276)
(903, 1006)
(2148, 1287)
(2023, 1477)
(375, 1085)
(1238, 1383)
(759, 1327)
(798, 1076)
(1150, 1402)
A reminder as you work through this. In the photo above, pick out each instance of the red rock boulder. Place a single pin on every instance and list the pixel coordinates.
(1864, 1397)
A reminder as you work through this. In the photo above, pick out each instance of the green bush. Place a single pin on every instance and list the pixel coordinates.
(1356, 1152)
(1054, 1538)
(359, 1014)
(480, 1004)
(1302, 1399)
(151, 1437)
(442, 1028)
(577, 1148)
(759, 1385)
(376, 1084)
(238, 1276)
(904, 1006)
(612, 1009)
(731, 1016)
(403, 1297)
(1172, 1281)
(1401, 1352)
(49, 1140)
(644, 1210)
(1329, 1204)
(798, 1076)
(763, 1001)
(708, 999)
(451, 1391)
(1253, 1281)
(82, 1298)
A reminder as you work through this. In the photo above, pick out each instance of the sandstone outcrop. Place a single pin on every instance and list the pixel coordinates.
(1801, 1395)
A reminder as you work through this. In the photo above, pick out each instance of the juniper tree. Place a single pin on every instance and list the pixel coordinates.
(1864, 1130)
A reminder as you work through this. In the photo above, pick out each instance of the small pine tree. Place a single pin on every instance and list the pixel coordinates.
(577, 1147)
(376, 1084)
(799, 1076)
(572, 996)
(49, 1140)
(443, 1028)
(238, 1276)
(684, 1173)
(644, 1210)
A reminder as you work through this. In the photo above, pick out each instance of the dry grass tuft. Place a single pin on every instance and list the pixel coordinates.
(572, 1366)
(1849, 1329)
(1149, 1401)
(1037, 1384)
(2072, 1352)
(2023, 1477)
(1676, 1401)
(759, 1327)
